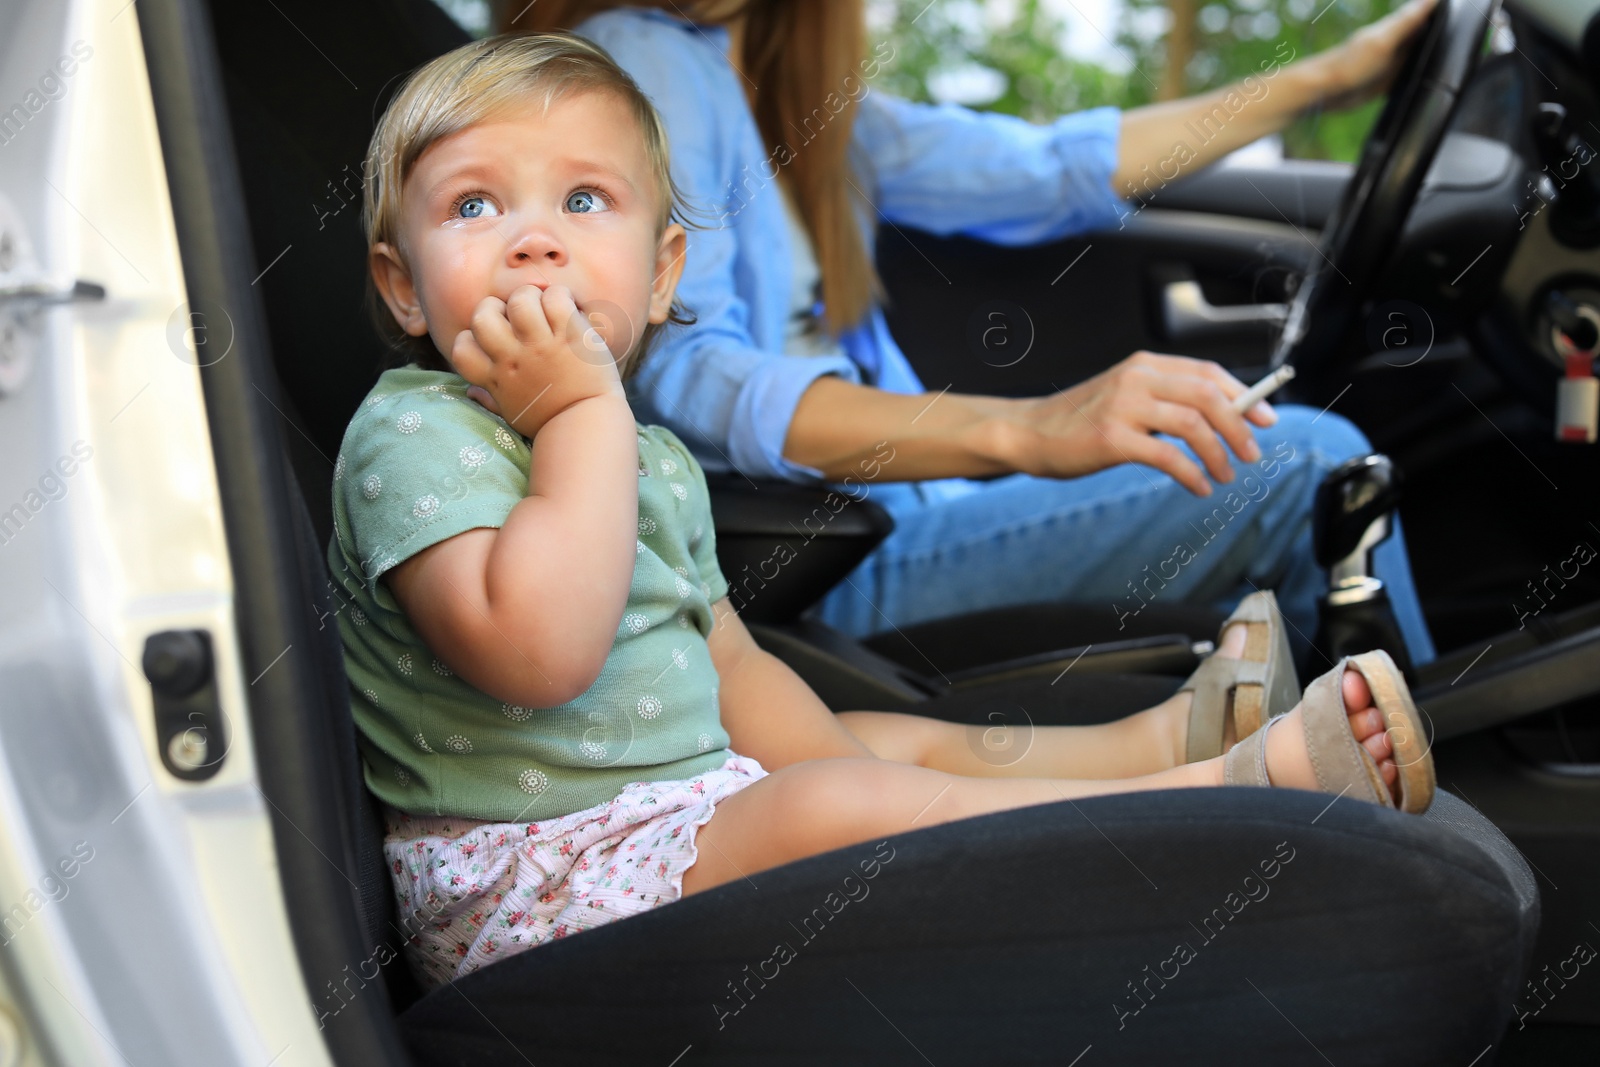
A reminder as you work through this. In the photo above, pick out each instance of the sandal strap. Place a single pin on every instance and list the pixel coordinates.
(1220, 673)
(1412, 755)
(1246, 762)
(1211, 683)
(1254, 608)
(1336, 760)
(1342, 764)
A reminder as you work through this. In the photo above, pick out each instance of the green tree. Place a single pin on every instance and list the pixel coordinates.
(1233, 37)
(1035, 79)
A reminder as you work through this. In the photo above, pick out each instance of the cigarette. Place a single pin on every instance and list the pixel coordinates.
(1263, 389)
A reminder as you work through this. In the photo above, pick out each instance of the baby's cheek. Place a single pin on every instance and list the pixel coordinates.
(632, 303)
(450, 310)
(618, 326)
(446, 321)
(454, 283)
(443, 342)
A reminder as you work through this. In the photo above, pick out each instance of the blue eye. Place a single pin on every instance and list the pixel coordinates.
(474, 207)
(587, 202)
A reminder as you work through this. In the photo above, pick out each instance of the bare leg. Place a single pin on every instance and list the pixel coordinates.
(1139, 744)
(815, 806)
(1143, 743)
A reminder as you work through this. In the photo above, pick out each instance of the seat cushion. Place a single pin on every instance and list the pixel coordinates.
(1314, 933)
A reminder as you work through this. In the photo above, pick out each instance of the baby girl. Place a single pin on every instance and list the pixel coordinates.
(565, 721)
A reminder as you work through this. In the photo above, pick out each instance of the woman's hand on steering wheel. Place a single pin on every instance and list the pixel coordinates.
(1365, 65)
(1110, 419)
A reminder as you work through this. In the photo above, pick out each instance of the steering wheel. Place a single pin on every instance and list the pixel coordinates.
(1364, 228)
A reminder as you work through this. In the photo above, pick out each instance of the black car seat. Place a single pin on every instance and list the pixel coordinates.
(1024, 936)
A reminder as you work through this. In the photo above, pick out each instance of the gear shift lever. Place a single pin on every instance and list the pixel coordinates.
(1351, 517)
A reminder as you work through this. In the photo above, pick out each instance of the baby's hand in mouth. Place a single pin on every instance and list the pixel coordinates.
(532, 356)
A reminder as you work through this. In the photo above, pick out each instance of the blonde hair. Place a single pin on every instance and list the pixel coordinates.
(468, 86)
(798, 53)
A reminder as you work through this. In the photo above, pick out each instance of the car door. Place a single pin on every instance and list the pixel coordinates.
(144, 917)
(1200, 267)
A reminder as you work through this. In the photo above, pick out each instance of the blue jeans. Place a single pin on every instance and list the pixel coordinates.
(1125, 537)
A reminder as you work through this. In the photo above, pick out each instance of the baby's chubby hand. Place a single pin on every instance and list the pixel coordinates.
(535, 355)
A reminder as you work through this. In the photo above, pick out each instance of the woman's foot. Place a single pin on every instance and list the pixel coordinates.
(1288, 761)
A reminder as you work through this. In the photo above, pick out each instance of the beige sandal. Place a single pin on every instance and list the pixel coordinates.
(1343, 764)
(1262, 684)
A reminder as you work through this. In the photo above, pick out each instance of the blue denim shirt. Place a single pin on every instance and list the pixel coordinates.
(724, 385)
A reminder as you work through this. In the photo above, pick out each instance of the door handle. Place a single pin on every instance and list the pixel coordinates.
(20, 304)
(1187, 314)
(46, 292)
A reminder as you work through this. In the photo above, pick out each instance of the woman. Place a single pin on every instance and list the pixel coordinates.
(777, 133)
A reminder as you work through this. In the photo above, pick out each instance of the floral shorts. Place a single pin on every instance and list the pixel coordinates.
(471, 893)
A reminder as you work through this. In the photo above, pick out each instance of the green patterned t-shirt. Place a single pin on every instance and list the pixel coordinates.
(421, 463)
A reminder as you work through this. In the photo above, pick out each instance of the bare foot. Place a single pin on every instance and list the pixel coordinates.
(1288, 763)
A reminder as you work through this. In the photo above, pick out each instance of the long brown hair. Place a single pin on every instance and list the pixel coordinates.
(803, 57)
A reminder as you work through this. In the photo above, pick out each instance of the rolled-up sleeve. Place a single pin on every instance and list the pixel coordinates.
(720, 392)
(725, 397)
(948, 169)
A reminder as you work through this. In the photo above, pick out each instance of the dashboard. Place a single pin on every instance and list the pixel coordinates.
(1540, 96)
(1567, 20)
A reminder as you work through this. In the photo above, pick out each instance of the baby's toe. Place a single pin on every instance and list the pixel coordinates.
(1357, 696)
(1366, 723)
(1380, 747)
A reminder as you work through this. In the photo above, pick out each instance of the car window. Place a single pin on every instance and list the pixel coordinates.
(471, 15)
